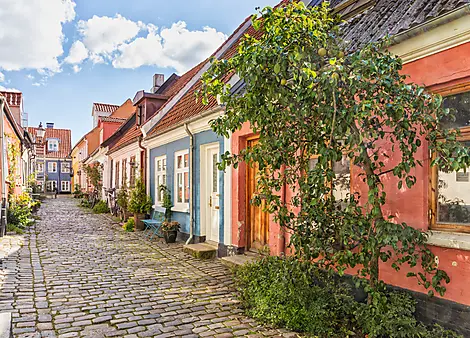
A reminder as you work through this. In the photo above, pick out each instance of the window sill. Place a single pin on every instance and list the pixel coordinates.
(452, 240)
(181, 208)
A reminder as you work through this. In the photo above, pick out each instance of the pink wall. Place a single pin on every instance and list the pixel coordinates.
(437, 72)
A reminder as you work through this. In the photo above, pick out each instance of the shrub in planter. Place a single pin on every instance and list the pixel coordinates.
(129, 225)
(101, 207)
(77, 193)
(85, 203)
(122, 201)
(169, 228)
(19, 212)
(140, 204)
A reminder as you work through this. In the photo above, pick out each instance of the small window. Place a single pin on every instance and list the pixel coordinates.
(65, 168)
(53, 145)
(116, 176)
(124, 173)
(133, 169)
(51, 186)
(40, 167)
(160, 178)
(52, 167)
(65, 186)
(182, 188)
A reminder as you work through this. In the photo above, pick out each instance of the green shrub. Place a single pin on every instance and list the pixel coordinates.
(288, 293)
(19, 212)
(129, 225)
(77, 193)
(85, 203)
(139, 202)
(101, 207)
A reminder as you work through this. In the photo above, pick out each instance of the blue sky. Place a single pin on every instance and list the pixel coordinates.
(120, 44)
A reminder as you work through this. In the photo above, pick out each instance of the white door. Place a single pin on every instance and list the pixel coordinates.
(212, 193)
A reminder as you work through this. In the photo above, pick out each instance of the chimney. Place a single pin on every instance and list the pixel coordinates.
(50, 125)
(158, 80)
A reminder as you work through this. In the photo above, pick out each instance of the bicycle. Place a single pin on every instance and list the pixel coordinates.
(111, 201)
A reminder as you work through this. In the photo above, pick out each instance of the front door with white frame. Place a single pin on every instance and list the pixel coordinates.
(211, 192)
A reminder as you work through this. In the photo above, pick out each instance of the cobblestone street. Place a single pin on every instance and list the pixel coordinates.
(75, 274)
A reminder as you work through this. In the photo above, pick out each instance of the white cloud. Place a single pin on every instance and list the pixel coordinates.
(76, 68)
(78, 52)
(2, 77)
(175, 47)
(14, 90)
(103, 35)
(31, 33)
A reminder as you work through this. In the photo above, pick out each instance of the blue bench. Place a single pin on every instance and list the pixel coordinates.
(154, 224)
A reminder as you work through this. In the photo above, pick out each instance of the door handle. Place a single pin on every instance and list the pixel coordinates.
(210, 201)
(216, 208)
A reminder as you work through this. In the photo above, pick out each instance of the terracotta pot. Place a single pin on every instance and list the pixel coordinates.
(139, 225)
(170, 236)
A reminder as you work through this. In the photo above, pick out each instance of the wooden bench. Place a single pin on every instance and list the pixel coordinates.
(154, 224)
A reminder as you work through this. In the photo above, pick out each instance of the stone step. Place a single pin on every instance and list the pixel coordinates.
(201, 250)
(238, 260)
(5, 325)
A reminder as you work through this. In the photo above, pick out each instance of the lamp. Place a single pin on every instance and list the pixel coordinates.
(41, 131)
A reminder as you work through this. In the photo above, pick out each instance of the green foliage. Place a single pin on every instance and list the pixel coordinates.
(85, 203)
(129, 225)
(307, 99)
(101, 207)
(13, 154)
(122, 198)
(19, 212)
(77, 193)
(166, 202)
(94, 174)
(293, 294)
(139, 202)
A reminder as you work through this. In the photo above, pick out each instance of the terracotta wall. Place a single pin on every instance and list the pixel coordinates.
(437, 72)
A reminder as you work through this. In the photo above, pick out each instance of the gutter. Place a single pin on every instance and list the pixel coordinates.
(143, 160)
(3, 220)
(191, 176)
(431, 24)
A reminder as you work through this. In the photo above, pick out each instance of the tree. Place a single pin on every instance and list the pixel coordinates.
(94, 174)
(314, 104)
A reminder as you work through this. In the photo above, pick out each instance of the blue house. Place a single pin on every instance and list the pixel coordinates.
(53, 163)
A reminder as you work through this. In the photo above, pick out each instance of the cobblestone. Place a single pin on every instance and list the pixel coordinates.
(76, 274)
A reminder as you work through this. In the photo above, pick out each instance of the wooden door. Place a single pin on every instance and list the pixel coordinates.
(257, 229)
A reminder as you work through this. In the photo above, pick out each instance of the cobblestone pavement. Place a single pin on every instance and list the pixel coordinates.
(75, 274)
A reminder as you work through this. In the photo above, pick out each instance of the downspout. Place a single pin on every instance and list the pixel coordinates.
(3, 220)
(282, 237)
(143, 161)
(191, 176)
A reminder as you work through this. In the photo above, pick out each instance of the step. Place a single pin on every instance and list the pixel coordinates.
(236, 261)
(5, 325)
(201, 250)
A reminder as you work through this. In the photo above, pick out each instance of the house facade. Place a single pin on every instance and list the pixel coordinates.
(53, 162)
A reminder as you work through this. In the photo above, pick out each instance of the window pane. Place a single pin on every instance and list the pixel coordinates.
(179, 162)
(186, 160)
(180, 187)
(454, 197)
(159, 165)
(164, 164)
(186, 187)
(342, 179)
(459, 106)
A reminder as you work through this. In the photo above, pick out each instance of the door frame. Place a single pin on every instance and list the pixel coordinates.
(205, 225)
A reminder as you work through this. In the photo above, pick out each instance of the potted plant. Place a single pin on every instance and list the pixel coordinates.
(169, 228)
(140, 204)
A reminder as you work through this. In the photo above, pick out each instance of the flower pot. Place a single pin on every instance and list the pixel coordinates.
(170, 236)
(139, 225)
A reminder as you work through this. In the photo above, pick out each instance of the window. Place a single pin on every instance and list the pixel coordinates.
(40, 186)
(133, 168)
(65, 168)
(40, 167)
(53, 145)
(124, 172)
(65, 186)
(52, 167)
(182, 180)
(116, 176)
(51, 186)
(450, 193)
(160, 178)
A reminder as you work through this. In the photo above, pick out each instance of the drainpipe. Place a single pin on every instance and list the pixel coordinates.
(282, 237)
(191, 216)
(143, 161)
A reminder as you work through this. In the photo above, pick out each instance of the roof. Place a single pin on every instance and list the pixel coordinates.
(104, 107)
(20, 133)
(13, 99)
(63, 135)
(124, 110)
(391, 17)
(112, 119)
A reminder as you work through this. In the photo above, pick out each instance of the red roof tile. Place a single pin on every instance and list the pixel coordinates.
(63, 135)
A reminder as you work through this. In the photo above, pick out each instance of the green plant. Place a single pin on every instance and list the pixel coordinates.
(129, 225)
(139, 202)
(19, 211)
(101, 207)
(85, 203)
(297, 295)
(166, 201)
(94, 174)
(314, 107)
(170, 226)
(122, 199)
(77, 193)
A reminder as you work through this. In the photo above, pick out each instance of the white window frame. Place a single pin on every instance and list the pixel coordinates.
(50, 182)
(40, 167)
(181, 206)
(67, 183)
(50, 169)
(160, 177)
(50, 144)
(67, 169)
